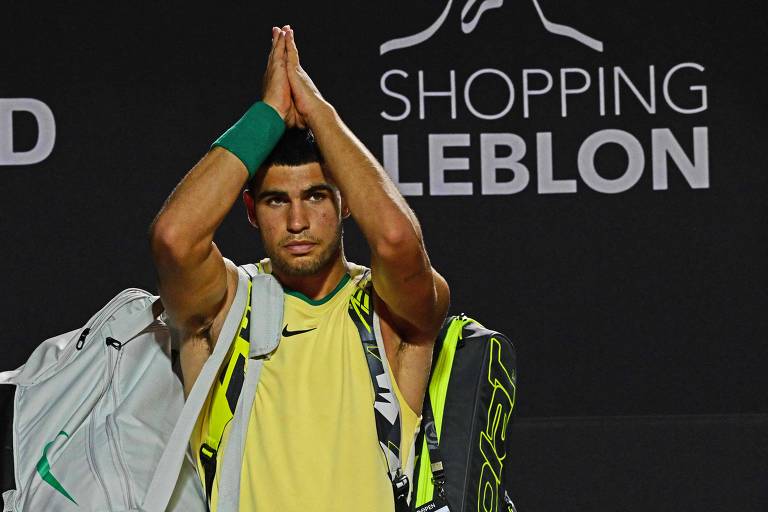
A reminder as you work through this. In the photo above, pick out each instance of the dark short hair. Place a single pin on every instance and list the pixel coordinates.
(296, 147)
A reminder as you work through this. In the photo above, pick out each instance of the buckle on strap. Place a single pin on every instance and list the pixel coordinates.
(207, 454)
(438, 478)
(438, 473)
(401, 488)
(208, 461)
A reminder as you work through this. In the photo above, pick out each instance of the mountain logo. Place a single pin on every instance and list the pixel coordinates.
(469, 23)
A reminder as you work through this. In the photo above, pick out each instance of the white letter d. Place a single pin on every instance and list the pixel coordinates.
(46, 126)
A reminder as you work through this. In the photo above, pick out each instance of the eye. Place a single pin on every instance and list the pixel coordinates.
(317, 196)
(275, 201)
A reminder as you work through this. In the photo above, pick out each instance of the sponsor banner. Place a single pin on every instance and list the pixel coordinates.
(589, 176)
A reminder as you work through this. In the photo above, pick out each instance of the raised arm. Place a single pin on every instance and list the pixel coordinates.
(415, 296)
(195, 283)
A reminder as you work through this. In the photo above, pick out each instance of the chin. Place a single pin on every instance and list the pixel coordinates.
(305, 265)
(300, 266)
(304, 269)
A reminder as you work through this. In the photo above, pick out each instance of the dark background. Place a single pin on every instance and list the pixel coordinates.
(639, 317)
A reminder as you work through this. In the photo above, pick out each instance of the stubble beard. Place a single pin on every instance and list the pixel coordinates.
(307, 265)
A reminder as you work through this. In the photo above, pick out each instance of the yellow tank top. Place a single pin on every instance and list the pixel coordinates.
(312, 442)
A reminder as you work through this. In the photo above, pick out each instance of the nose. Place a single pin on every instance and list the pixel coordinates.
(298, 220)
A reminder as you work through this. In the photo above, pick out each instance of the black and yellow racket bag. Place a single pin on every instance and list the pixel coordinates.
(463, 450)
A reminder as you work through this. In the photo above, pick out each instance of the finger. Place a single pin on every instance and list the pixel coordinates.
(293, 52)
(279, 52)
(285, 29)
(275, 31)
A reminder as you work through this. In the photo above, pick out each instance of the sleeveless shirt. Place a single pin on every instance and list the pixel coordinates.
(312, 442)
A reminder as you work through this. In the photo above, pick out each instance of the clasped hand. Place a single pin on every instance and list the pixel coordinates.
(287, 87)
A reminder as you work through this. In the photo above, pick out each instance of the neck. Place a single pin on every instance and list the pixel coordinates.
(317, 285)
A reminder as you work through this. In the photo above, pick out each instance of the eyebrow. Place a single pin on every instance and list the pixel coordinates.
(282, 193)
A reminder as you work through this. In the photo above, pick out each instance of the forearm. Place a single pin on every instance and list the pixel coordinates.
(191, 270)
(384, 217)
(402, 273)
(197, 206)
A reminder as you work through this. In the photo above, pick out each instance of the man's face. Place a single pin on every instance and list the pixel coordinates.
(298, 212)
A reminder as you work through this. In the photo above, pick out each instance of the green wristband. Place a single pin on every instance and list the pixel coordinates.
(253, 137)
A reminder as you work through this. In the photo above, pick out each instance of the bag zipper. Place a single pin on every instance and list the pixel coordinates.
(91, 449)
(110, 418)
(94, 466)
(96, 322)
(125, 482)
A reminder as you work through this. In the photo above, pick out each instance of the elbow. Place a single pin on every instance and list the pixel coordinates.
(169, 247)
(161, 240)
(398, 242)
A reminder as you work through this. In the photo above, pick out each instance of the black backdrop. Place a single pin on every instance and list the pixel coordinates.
(639, 296)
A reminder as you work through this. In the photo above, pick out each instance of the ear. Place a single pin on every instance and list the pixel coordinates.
(250, 208)
(345, 211)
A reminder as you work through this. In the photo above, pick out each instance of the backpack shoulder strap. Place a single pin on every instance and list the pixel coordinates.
(265, 332)
(430, 472)
(386, 406)
(227, 394)
(167, 471)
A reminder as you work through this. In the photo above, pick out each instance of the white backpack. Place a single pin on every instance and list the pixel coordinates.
(100, 422)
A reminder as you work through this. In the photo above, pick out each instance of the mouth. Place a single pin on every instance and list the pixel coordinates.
(299, 247)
